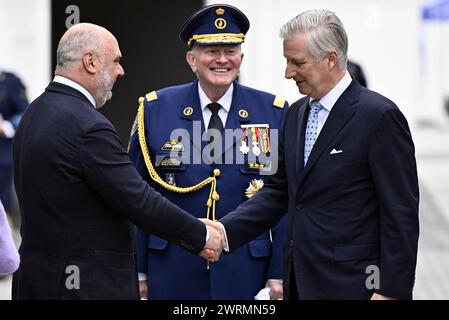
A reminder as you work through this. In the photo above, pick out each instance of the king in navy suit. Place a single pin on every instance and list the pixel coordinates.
(347, 178)
(175, 123)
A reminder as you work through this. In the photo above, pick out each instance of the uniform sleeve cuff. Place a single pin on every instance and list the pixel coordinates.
(8, 129)
(142, 276)
(225, 236)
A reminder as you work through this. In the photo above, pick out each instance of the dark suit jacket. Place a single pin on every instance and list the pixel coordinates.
(353, 206)
(77, 192)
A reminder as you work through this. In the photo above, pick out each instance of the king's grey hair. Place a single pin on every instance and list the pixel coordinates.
(325, 33)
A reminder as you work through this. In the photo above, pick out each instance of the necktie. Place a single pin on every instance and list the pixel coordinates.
(311, 129)
(215, 121)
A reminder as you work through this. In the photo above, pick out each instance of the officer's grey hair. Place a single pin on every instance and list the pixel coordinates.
(325, 33)
(74, 45)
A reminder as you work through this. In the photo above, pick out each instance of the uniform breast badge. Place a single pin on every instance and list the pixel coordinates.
(265, 143)
(255, 141)
(170, 162)
(170, 179)
(172, 145)
(244, 147)
(254, 186)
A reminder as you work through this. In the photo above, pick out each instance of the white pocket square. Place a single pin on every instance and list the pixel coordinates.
(335, 151)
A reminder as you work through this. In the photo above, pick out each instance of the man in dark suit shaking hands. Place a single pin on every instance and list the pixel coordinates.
(77, 189)
(347, 178)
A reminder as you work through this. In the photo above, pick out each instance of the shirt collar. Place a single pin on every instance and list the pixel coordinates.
(224, 101)
(329, 100)
(76, 86)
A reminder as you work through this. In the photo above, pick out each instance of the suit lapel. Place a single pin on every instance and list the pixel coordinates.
(340, 114)
(302, 122)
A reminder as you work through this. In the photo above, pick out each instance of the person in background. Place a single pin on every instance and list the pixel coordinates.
(9, 257)
(357, 73)
(13, 102)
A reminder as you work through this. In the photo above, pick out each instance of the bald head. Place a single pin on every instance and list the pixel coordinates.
(77, 40)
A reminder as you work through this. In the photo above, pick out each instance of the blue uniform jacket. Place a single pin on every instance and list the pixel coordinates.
(173, 274)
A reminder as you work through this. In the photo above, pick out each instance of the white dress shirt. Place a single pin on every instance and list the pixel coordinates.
(224, 101)
(329, 100)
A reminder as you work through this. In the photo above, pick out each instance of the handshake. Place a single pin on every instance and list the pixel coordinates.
(216, 241)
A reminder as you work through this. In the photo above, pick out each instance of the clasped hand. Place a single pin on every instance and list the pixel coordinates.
(215, 243)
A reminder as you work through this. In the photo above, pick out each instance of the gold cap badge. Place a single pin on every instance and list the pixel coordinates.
(220, 23)
(219, 12)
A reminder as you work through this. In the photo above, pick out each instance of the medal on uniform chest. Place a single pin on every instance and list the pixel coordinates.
(265, 140)
(244, 147)
(255, 139)
(254, 186)
(170, 179)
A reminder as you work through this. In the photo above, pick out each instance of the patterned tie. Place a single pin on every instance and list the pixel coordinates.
(311, 129)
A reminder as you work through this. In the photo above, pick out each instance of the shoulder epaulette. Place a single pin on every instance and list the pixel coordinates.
(279, 102)
(151, 96)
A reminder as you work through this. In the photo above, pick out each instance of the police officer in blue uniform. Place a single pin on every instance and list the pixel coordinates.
(207, 146)
(13, 102)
